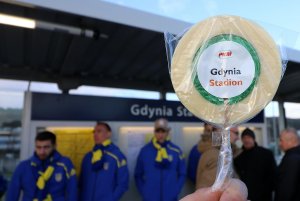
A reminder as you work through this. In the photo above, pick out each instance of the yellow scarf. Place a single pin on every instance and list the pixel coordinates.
(48, 198)
(97, 155)
(161, 151)
(44, 177)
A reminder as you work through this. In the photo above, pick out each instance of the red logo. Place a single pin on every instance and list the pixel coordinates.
(225, 54)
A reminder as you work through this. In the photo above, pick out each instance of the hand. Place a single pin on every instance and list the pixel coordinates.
(235, 190)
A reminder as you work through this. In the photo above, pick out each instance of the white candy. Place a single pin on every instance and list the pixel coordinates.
(226, 58)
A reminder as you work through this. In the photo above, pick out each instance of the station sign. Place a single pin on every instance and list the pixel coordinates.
(63, 107)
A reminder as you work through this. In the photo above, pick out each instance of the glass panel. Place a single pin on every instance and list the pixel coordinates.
(11, 104)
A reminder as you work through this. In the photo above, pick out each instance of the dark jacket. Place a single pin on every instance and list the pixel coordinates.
(288, 179)
(257, 168)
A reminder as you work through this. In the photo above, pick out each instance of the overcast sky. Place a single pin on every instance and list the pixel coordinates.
(280, 18)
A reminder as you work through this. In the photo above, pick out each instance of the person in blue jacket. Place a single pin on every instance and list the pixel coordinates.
(46, 176)
(160, 169)
(104, 172)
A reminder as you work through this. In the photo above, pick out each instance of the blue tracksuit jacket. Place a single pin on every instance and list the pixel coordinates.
(62, 184)
(194, 158)
(160, 184)
(107, 184)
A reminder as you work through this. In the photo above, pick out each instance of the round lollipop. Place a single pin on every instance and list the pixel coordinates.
(225, 70)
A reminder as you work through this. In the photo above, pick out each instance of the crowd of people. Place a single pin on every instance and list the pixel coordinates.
(160, 170)
(254, 165)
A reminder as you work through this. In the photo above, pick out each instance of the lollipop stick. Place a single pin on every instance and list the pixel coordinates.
(225, 156)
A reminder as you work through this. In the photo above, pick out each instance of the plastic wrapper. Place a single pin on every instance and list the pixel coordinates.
(224, 70)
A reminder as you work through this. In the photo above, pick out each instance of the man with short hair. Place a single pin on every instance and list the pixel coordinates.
(160, 168)
(46, 176)
(288, 178)
(104, 173)
(256, 167)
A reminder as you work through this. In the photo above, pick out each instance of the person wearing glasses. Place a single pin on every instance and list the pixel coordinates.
(160, 170)
(104, 173)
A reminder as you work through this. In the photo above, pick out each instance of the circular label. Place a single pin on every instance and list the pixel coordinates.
(227, 67)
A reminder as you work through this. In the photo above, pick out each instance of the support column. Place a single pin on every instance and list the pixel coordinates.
(26, 126)
(282, 117)
(162, 95)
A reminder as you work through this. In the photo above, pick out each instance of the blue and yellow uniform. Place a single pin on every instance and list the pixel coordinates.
(53, 179)
(160, 171)
(104, 174)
